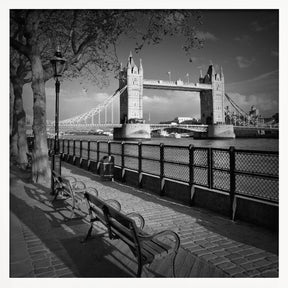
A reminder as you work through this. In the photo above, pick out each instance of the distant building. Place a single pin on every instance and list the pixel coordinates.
(182, 119)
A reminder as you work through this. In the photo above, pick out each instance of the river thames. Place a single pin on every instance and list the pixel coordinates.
(262, 144)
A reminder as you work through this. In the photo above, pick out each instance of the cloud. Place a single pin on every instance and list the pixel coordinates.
(244, 62)
(244, 39)
(261, 91)
(206, 36)
(255, 26)
(262, 101)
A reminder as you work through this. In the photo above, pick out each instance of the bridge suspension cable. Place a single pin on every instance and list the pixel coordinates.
(97, 110)
(236, 107)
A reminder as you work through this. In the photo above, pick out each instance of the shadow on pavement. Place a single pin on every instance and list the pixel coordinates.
(243, 232)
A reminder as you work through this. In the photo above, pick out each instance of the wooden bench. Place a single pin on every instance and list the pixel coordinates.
(69, 187)
(145, 247)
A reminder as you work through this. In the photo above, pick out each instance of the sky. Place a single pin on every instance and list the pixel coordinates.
(244, 42)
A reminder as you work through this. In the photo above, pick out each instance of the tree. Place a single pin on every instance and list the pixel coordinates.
(88, 39)
(18, 141)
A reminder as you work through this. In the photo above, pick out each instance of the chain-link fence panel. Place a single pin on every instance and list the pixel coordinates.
(77, 148)
(151, 152)
(131, 162)
(253, 162)
(117, 160)
(71, 142)
(151, 167)
(131, 149)
(116, 148)
(60, 145)
(221, 180)
(85, 149)
(258, 187)
(176, 154)
(201, 176)
(201, 157)
(93, 150)
(176, 171)
(220, 159)
(65, 151)
(103, 149)
(116, 151)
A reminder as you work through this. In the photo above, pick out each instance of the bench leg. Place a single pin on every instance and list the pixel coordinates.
(88, 235)
(140, 266)
(173, 264)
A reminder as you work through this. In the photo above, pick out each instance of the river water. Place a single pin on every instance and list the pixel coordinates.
(261, 144)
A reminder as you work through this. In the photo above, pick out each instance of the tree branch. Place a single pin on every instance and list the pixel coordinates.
(21, 48)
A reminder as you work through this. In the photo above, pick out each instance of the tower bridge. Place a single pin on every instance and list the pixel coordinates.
(131, 84)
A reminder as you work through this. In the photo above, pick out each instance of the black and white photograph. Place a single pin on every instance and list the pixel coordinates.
(144, 142)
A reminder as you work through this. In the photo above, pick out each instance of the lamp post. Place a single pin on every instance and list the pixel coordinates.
(58, 64)
(187, 75)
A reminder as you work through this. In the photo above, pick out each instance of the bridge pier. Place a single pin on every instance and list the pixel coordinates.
(133, 132)
(217, 131)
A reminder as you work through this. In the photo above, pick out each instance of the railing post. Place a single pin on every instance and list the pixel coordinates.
(162, 179)
(88, 150)
(63, 146)
(74, 147)
(122, 161)
(68, 148)
(232, 182)
(140, 164)
(98, 152)
(109, 147)
(80, 149)
(191, 172)
(209, 164)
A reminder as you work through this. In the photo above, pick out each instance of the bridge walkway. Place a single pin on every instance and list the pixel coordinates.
(44, 245)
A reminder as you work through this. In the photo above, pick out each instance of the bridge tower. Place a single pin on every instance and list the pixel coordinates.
(131, 100)
(212, 105)
(212, 101)
(131, 103)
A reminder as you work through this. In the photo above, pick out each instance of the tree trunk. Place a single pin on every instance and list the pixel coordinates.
(13, 127)
(19, 123)
(40, 164)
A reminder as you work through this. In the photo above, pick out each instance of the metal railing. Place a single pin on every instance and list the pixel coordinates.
(253, 174)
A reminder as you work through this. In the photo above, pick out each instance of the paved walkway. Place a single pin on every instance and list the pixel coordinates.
(43, 244)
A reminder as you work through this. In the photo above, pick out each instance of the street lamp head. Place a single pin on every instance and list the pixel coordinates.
(58, 63)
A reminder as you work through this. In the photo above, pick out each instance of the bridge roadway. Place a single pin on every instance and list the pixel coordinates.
(175, 85)
(88, 127)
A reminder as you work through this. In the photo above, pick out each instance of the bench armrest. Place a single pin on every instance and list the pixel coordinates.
(114, 204)
(163, 233)
(139, 217)
(78, 185)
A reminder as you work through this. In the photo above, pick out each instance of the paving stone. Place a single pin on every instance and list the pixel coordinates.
(234, 270)
(226, 265)
(240, 275)
(41, 263)
(261, 263)
(248, 252)
(43, 270)
(218, 260)
(239, 260)
(222, 252)
(256, 256)
(270, 273)
(253, 273)
(233, 256)
(207, 257)
(201, 252)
